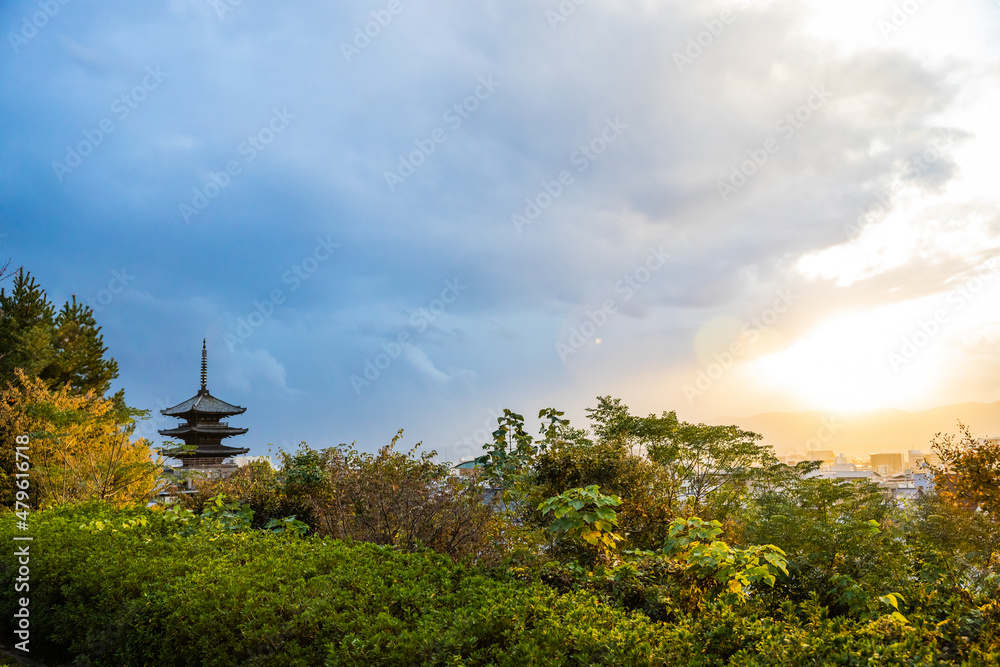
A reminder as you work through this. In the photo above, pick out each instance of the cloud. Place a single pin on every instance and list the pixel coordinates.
(852, 115)
(257, 371)
(984, 341)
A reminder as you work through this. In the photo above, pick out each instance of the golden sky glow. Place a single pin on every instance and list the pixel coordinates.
(725, 208)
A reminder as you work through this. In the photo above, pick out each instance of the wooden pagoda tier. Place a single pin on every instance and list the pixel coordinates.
(203, 429)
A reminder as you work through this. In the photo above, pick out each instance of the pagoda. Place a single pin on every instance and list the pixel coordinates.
(203, 430)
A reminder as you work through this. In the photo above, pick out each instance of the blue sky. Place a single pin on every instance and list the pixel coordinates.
(412, 215)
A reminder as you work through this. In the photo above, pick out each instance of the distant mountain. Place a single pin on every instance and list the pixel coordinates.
(862, 433)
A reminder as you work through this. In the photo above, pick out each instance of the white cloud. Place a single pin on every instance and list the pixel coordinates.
(258, 371)
(656, 184)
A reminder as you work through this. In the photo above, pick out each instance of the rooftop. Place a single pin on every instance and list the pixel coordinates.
(204, 403)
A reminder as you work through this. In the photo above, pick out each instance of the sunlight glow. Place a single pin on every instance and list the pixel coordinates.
(843, 365)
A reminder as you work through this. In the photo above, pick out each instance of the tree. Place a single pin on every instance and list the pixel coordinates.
(79, 352)
(611, 421)
(259, 486)
(969, 472)
(5, 271)
(573, 460)
(702, 465)
(586, 516)
(391, 498)
(842, 538)
(513, 452)
(27, 320)
(63, 348)
(712, 464)
(81, 446)
(694, 542)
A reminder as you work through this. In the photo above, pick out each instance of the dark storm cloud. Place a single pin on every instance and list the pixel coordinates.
(412, 147)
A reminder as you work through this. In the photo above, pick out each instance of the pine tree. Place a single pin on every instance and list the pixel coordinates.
(60, 349)
(27, 319)
(80, 351)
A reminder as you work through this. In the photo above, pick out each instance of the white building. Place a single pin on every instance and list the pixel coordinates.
(850, 475)
(244, 461)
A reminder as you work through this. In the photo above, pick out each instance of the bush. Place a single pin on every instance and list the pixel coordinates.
(392, 498)
(259, 486)
(110, 590)
(568, 464)
(121, 587)
(843, 539)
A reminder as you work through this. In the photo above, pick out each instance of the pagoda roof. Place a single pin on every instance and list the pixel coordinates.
(216, 430)
(203, 403)
(205, 451)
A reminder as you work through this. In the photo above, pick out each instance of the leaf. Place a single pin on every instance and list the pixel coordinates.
(562, 525)
(889, 599)
(607, 514)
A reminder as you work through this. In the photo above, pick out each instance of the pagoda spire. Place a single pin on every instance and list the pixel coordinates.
(204, 365)
(203, 429)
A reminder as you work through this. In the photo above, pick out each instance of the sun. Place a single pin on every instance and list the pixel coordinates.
(844, 365)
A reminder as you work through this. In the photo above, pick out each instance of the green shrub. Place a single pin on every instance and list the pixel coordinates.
(135, 593)
(124, 587)
(391, 498)
(587, 517)
(260, 487)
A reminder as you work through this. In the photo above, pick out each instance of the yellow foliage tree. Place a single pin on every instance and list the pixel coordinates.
(81, 446)
(969, 473)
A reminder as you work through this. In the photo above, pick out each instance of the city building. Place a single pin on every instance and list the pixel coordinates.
(915, 460)
(847, 475)
(825, 457)
(466, 468)
(907, 485)
(243, 461)
(841, 464)
(893, 462)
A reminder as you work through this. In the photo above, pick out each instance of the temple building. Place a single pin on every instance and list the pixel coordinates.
(203, 431)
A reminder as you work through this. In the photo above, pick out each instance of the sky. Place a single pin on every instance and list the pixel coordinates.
(397, 214)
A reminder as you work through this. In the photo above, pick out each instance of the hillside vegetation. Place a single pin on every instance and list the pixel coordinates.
(565, 548)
